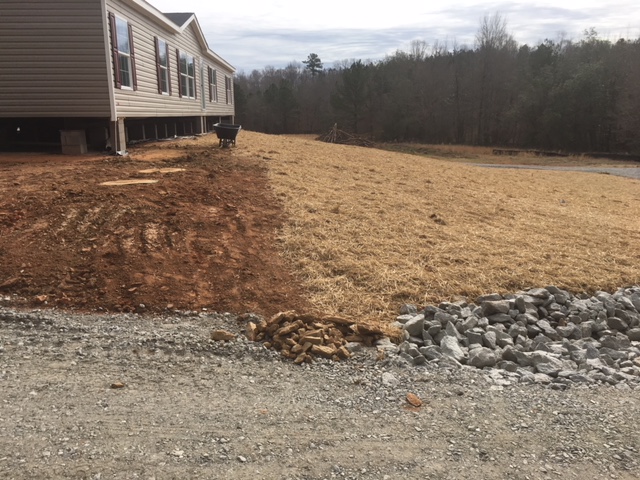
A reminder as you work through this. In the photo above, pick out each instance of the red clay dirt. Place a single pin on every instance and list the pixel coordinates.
(203, 236)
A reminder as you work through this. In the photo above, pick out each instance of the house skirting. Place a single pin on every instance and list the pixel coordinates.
(102, 135)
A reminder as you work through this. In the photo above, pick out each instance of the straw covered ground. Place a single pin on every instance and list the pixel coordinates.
(368, 230)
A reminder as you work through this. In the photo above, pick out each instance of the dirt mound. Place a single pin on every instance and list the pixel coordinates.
(202, 235)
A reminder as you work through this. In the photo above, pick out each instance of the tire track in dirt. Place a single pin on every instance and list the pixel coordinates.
(203, 236)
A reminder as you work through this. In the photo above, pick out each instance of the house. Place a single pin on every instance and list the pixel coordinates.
(104, 73)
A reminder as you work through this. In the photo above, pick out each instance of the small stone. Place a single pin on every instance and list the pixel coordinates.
(324, 351)
(222, 335)
(252, 331)
(414, 400)
(389, 379)
(242, 459)
(118, 385)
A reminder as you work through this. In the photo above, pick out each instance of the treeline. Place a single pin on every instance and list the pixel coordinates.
(574, 96)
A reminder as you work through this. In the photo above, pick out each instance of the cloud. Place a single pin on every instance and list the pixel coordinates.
(252, 35)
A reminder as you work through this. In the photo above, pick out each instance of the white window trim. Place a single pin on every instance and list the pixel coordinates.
(164, 68)
(191, 88)
(127, 55)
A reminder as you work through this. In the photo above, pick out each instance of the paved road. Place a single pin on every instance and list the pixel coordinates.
(631, 172)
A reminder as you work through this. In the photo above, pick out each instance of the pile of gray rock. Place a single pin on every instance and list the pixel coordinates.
(543, 335)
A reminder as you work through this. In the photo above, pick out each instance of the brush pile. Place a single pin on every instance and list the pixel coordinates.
(344, 138)
(303, 337)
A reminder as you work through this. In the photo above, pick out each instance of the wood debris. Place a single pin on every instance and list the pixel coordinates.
(336, 135)
(301, 338)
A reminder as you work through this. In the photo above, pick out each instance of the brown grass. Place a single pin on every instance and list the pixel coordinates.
(369, 229)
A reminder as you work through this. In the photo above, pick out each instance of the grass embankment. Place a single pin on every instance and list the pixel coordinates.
(370, 229)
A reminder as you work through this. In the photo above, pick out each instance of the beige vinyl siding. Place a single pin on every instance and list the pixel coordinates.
(146, 101)
(52, 59)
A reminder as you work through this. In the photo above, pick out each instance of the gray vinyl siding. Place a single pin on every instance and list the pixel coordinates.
(52, 59)
(145, 101)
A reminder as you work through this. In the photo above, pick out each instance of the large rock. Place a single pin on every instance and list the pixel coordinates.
(521, 358)
(618, 324)
(546, 363)
(432, 352)
(500, 318)
(470, 322)
(415, 326)
(526, 307)
(474, 338)
(489, 340)
(548, 330)
(615, 342)
(450, 347)
(408, 309)
(567, 331)
(444, 318)
(516, 329)
(482, 357)
(451, 331)
(634, 334)
(635, 301)
(539, 293)
(504, 340)
(492, 307)
(491, 297)
(433, 328)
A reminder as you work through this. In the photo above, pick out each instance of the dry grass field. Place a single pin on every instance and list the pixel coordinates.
(476, 154)
(368, 230)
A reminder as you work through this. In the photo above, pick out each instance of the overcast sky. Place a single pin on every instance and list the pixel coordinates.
(253, 34)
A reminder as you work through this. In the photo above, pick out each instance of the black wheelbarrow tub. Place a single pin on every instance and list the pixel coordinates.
(227, 132)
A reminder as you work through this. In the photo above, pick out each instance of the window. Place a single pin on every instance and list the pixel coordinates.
(162, 66)
(124, 64)
(213, 85)
(187, 74)
(228, 83)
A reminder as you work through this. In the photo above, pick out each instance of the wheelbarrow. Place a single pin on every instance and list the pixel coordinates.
(227, 133)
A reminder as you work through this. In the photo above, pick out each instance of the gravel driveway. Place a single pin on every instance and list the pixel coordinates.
(630, 172)
(189, 407)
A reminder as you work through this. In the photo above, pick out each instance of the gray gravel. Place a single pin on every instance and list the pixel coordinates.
(629, 172)
(195, 408)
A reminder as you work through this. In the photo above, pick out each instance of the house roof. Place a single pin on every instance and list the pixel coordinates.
(178, 22)
(179, 18)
